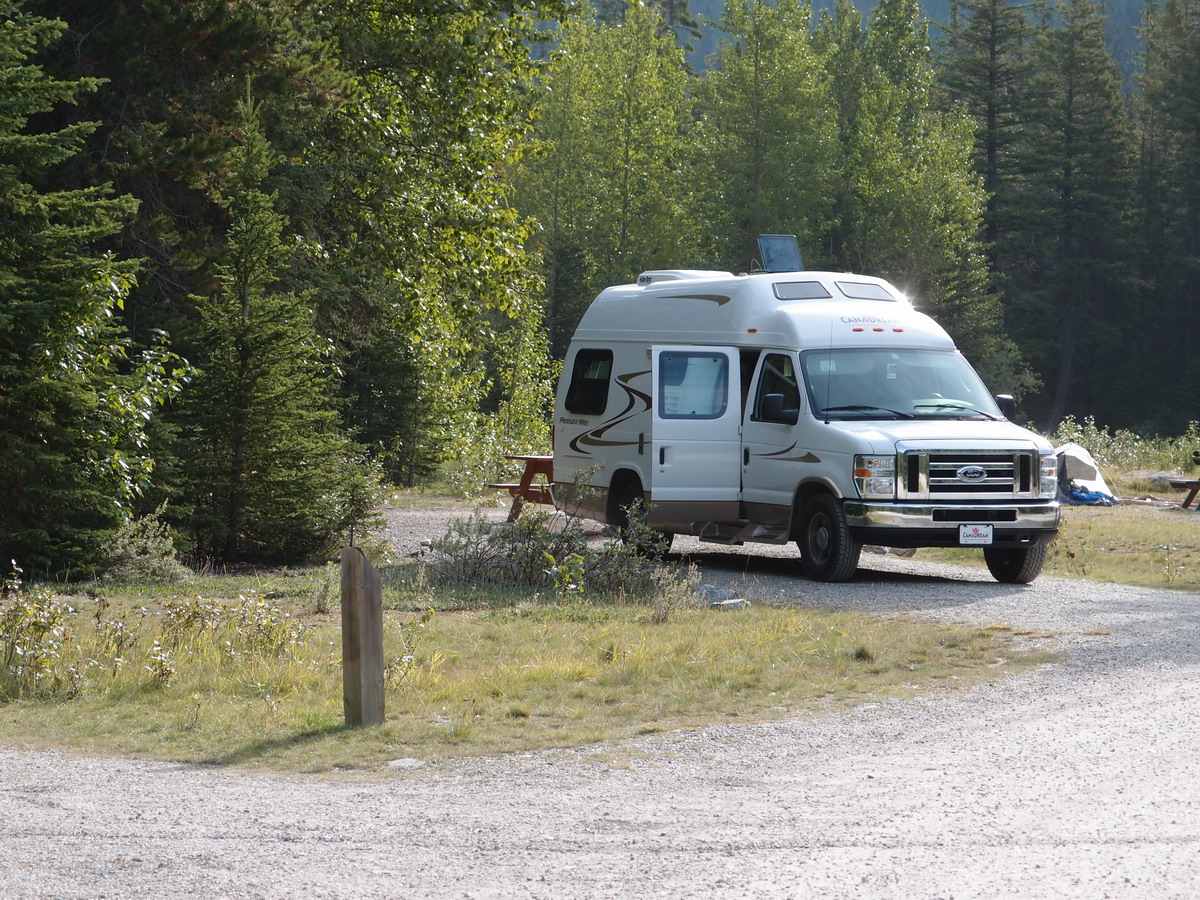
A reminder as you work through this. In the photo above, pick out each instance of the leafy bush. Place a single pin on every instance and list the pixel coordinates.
(34, 636)
(1125, 451)
(543, 550)
(143, 550)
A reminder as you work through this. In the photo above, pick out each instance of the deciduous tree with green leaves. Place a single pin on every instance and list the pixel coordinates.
(611, 188)
(769, 158)
(394, 121)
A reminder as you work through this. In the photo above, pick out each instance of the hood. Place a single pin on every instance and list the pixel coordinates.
(942, 434)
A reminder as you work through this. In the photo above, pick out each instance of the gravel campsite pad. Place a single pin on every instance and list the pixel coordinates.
(1081, 779)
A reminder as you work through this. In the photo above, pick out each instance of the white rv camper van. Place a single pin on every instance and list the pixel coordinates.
(815, 407)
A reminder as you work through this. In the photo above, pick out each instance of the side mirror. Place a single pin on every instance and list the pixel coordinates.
(773, 411)
(1007, 405)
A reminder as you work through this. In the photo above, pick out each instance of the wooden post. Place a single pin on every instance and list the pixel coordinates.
(362, 640)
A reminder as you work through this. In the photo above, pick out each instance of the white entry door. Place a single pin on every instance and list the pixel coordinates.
(697, 411)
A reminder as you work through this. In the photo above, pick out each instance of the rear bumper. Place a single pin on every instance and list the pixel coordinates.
(936, 525)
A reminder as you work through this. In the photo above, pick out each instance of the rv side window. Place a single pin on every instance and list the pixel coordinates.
(778, 381)
(692, 385)
(588, 392)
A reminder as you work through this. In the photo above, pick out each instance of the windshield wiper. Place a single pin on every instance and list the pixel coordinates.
(861, 407)
(961, 407)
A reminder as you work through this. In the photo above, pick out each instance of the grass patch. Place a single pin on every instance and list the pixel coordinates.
(1148, 546)
(232, 677)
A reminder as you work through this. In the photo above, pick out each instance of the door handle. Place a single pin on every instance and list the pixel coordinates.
(662, 456)
(745, 456)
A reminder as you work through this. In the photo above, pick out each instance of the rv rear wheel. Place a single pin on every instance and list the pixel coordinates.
(622, 496)
(826, 548)
(625, 495)
(1018, 565)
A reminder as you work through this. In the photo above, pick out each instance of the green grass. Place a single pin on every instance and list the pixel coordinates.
(229, 679)
(1149, 546)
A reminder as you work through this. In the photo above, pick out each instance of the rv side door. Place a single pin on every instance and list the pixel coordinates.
(696, 443)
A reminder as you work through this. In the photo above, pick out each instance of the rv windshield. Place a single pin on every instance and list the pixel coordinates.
(885, 383)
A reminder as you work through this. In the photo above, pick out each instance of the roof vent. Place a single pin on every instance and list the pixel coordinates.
(780, 253)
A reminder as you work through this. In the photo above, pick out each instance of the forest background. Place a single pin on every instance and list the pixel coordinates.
(258, 261)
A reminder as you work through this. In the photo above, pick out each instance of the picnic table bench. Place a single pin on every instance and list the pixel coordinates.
(526, 491)
(1192, 487)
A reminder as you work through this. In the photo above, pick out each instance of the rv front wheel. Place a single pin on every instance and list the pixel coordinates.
(826, 548)
(1015, 565)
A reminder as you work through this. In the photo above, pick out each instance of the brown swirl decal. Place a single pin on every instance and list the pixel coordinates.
(719, 299)
(636, 403)
(781, 455)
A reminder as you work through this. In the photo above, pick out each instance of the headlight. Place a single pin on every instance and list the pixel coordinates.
(1048, 484)
(875, 477)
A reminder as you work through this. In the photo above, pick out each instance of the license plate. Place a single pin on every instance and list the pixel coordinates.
(974, 535)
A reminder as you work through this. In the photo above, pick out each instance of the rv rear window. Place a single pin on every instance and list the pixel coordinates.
(588, 392)
(801, 290)
(864, 290)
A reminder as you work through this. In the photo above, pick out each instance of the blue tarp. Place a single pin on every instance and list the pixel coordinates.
(1079, 497)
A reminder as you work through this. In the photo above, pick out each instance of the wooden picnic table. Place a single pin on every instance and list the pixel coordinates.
(1192, 487)
(525, 491)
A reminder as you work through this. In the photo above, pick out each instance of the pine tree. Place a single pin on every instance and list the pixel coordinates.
(73, 405)
(1070, 278)
(269, 474)
(908, 203)
(1167, 111)
(983, 66)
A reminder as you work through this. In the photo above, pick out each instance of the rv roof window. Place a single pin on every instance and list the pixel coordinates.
(801, 290)
(861, 290)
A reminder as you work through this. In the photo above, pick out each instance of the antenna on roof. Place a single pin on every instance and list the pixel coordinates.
(780, 253)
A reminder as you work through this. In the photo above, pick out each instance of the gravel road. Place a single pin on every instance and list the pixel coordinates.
(1080, 780)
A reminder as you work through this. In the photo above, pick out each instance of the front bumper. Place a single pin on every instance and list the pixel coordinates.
(936, 525)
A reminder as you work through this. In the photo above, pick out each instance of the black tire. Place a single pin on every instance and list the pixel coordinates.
(826, 548)
(627, 493)
(1016, 565)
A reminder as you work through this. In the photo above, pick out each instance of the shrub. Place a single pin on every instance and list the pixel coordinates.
(543, 550)
(34, 635)
(143, 550)
(1126, 451)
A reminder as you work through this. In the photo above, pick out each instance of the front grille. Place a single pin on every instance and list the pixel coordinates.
(969, 474)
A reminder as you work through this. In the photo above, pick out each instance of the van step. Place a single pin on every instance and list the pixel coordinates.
(737, 533)
(732, 533)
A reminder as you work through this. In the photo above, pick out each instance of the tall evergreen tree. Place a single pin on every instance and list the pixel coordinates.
(984, 67)
(1168, 121)
(269, 475)
(677, 18)
(909, 204)
(1070, 282)
(73, 406)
